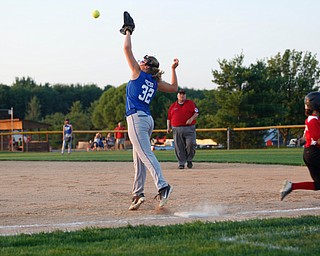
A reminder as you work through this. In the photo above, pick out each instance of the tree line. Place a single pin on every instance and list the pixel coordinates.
(265, 93)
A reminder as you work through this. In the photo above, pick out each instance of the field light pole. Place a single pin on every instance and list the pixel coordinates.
(228, 139)
(10, 112)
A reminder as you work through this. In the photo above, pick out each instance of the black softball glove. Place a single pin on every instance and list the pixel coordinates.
(128, 24)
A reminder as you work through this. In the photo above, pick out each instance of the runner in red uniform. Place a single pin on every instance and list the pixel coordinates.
(311, 153)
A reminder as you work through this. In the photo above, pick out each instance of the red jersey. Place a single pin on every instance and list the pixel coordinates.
(312, 131)
(119, 135)
(178, 114)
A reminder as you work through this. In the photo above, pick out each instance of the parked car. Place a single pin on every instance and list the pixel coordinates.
(293, 143)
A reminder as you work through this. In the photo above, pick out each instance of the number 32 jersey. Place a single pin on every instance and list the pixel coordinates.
(140, 93)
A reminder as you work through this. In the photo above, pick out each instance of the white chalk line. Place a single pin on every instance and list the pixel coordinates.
(85, 223)
(245, 239)
(280, 211)
(196, 214)
(127, 221)
(258, 244)
(204, 214)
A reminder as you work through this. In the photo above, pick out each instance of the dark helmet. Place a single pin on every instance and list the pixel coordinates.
(312, 101)
(151, 61)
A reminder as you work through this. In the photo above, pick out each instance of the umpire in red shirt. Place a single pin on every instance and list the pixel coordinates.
(182, 116)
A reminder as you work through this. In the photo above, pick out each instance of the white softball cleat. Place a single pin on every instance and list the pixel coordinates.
(286, 189)
(136, 202)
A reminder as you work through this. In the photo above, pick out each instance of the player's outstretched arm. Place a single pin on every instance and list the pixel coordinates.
(133, 64)
(173, 86)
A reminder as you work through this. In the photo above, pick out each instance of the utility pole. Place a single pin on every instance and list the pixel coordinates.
(10, 112)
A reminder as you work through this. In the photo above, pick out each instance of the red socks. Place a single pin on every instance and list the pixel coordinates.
(303, 185)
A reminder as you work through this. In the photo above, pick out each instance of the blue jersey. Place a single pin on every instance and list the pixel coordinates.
(140, 93)
(67, 130)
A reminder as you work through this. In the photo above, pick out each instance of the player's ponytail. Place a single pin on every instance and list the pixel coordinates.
(153, 69)
(156, 73)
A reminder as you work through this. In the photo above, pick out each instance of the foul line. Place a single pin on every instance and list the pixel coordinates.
(127, 221)
(280, 211)
(133, 221)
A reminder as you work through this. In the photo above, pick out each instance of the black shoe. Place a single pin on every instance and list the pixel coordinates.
(163, 195)
(189, 164)
(181, 166)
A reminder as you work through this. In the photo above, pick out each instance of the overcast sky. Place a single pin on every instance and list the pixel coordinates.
(58, 41)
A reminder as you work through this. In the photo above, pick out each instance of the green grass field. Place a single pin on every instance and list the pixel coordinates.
(291, 236)
(288, 156)
(278, 236)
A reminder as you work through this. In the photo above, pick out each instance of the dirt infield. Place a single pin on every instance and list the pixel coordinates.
(46, 196)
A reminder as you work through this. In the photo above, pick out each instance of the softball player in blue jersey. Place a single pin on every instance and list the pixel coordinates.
(67, 130)
(145, 80)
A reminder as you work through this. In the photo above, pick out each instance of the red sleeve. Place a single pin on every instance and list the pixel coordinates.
(195, 108)
(314, 129)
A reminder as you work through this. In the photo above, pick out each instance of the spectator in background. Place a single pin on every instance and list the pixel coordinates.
(120, 136)
(160, 139)
(97, 142)
(14, 144)
(110, 142)
(20, 144)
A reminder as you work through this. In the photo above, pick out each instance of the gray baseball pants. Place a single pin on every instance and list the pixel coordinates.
(66, 143)
(184, 143)
(140, 127)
